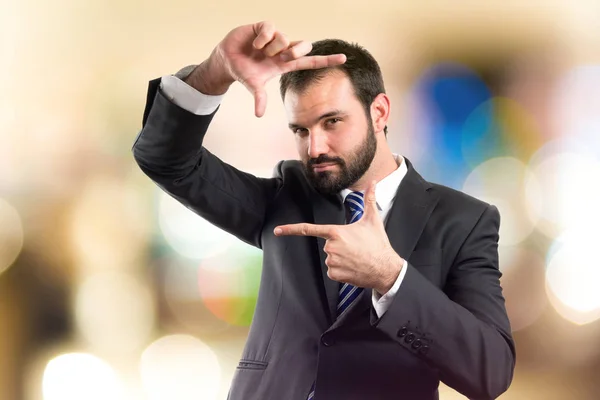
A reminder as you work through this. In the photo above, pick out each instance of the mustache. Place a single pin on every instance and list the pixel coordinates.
(325, 159)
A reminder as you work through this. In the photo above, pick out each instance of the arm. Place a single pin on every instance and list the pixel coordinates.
(169, 147)
(169, 150)
(463, 331)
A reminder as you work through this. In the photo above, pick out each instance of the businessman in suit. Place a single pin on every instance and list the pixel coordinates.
(376, 284)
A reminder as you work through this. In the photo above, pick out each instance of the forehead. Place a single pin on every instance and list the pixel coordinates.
(332, 91)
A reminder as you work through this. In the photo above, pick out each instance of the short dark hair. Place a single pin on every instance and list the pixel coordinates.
(360, 67)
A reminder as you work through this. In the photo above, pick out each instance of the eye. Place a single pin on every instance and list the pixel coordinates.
(333, 121)
(299, 131)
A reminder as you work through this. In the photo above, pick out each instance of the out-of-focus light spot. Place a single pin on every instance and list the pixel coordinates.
(523, 284)
(231, 293)
(573, 276)
(452, 92)
(109, 225)
(505, 182)
(11, 235)
(446, 95)
(114, 312)
(183, 298)
(570, 192)
(188, 234)
(499, 127)
(576, 105)
(180, 367)
(219, 292)
(79, 376)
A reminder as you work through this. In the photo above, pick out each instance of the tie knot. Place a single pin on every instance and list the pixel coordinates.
(355, 206)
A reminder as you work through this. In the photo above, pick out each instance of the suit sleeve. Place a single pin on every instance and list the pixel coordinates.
(463, 331)
(169, 150)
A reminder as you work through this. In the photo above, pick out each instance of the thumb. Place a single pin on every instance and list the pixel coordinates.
(371, 209)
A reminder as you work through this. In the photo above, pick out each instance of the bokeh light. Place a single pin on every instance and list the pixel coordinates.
(11, 235)
(108, 226)
(499, 127)
(183, 300)
(79, 376)
(231, 293)
(114, 312)
(576, 104)
(573, 276)
(570, 193)
(524, 272)
(187, 233)
(448, 94)
(180, 367)
(216, 293)
(506, 183)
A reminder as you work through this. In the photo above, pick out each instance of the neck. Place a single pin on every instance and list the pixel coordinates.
(384, 163)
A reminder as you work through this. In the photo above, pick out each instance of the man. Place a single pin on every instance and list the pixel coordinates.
(376, 284)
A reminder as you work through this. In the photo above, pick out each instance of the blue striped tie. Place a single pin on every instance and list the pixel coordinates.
(355, 208)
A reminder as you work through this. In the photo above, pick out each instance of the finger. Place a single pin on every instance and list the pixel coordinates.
(314, 62)
(260, 102)
(296, 49)
(323, 231)
(279, 43)
(264, 31)
(260, 95)
(371, 209)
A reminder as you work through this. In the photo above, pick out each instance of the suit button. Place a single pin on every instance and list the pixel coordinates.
(402, 332)
(417, 344)
(424, 349)
(409, 338)
(327, 341)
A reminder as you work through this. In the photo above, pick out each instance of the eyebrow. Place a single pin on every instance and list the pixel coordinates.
(328, 114)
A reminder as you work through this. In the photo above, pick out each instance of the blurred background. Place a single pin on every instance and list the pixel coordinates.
(110, 290)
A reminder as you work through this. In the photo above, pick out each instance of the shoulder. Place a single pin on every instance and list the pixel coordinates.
(464, 212)
(289, 170)
(457, 200)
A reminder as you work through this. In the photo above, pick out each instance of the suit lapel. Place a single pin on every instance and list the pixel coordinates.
(413, 204)
(328, 210)
(410, 212)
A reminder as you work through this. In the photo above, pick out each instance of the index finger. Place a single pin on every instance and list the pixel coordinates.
(303, 229)
(314, 62)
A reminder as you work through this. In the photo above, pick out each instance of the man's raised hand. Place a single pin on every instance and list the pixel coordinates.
(254, 54)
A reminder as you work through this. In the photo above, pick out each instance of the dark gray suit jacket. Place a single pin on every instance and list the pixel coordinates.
(447, 322)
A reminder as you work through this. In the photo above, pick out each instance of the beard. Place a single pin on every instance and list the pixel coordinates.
(350, 170)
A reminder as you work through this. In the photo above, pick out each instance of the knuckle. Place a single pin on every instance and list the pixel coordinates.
(334, 233)
(332, 274)
(267, 25)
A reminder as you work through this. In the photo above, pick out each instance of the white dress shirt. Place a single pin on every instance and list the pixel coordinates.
(385, 193)
(199, 103)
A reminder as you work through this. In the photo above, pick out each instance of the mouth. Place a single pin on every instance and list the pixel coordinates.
(323, 167)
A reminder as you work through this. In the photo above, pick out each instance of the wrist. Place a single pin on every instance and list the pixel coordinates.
(392, 267)
(210, 78)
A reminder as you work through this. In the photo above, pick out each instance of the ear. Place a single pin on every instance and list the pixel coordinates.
(380, 111)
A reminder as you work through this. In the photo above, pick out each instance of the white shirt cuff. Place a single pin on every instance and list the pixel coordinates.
(383, 303)
(187, 97)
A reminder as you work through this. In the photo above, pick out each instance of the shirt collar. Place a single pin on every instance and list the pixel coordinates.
(386, 189)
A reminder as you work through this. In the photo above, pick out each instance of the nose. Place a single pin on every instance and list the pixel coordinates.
(317, 144)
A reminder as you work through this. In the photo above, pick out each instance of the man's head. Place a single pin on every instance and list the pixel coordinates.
(336, 115)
